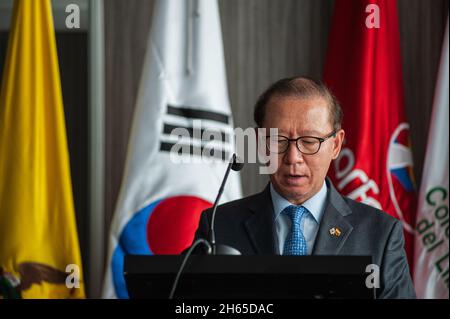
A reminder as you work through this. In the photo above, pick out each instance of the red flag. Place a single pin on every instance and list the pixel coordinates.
(363, 70)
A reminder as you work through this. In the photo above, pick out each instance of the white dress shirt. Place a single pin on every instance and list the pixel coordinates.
(309, 224)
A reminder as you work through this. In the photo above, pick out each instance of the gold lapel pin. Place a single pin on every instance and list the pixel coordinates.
(335, 231)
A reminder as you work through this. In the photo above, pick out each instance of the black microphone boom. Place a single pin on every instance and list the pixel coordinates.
(213, 249)
(234, 165)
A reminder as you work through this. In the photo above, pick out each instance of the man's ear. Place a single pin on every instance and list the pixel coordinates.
(337, 144)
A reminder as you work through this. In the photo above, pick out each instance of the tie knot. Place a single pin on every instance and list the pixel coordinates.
(295, 213)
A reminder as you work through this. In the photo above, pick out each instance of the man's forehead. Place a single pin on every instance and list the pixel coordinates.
(301, 132)
(307, 116)
(292, 108)
(298, 98)
(296, 103)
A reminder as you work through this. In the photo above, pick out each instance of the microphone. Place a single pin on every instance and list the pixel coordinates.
(213, 249)
(234, 165)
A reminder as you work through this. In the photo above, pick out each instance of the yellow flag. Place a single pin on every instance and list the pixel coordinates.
(38, 236)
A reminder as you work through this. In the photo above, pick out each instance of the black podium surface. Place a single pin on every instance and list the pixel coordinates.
(281, 277)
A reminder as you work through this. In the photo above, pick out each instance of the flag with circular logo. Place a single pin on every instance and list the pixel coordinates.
(181, 138)
(363, 70)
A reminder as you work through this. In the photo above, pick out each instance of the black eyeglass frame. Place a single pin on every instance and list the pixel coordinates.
(320, 139)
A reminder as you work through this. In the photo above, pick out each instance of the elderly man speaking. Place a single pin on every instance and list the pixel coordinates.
(300, 212)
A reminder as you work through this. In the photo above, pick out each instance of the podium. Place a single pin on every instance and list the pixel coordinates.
(248, 276)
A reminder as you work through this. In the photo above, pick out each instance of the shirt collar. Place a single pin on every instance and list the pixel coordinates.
(315, 204)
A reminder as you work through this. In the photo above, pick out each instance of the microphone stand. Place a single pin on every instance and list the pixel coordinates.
(222, 249)
(213, 248)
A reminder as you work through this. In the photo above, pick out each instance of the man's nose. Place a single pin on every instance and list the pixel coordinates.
(293, 155)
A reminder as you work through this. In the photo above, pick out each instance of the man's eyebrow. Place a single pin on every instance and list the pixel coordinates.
(311, 133)
(304, 133)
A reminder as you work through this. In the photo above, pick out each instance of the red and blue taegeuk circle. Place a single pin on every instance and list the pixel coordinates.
(164, 226)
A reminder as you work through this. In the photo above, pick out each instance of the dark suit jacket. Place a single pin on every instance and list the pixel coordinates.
(247, 224)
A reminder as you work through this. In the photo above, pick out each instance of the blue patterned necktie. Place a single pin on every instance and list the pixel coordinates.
(295, 243)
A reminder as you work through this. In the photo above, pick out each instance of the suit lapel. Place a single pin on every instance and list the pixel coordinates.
(260, 224)
(334, 229)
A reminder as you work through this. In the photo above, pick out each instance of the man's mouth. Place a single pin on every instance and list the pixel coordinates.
(294, 179)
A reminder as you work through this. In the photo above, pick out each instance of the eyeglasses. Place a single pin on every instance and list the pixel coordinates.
(308, 145)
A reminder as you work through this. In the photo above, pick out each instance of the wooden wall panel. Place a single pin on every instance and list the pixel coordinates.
(422, 27)
(126, 30)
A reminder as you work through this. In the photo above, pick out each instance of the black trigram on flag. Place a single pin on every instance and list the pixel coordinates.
(191, 131)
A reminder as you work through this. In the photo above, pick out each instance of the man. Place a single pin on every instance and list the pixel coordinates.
(300, 211)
